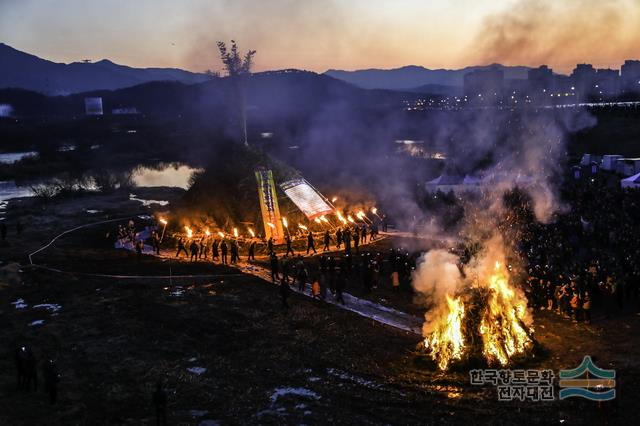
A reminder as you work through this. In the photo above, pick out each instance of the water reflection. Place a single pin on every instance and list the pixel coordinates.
(12, 157)
(162, 174)
(176, 175)
(8, 189)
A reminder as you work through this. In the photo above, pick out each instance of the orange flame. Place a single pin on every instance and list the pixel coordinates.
(502, 324)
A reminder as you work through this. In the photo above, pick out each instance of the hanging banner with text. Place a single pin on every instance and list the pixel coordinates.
(306, 198)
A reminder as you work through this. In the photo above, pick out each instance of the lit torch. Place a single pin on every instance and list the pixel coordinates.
(318, 221)
(235, 232)
(164, 222)
(189, 231)
(301, 226)
(286, 224)
(350, 219)
(271, 225)
(253, 234)
(374, 210)
(325, 220)
(221, 234)
(362, 216)
(206, 232)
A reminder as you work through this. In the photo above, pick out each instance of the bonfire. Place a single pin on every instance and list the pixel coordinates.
(486, 319)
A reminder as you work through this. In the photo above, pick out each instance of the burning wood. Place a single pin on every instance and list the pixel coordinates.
(487, 319)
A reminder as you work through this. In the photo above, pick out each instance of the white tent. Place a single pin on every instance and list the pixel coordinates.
(632, 182)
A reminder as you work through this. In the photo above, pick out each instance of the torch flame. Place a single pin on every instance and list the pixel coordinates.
(284, 222)
(206, 232)
(189, 231)
(316, 220)
(235, 232)
(301, 226)
(271, 225)
(163, 221)
(374, 210)
(221, 234)
(253, 234)
(350, 219)
(324, 219)
(334, 199)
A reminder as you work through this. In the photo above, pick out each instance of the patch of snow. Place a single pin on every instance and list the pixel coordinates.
(91, 211)
(20, 304)
(303, 392)
(51, 307)
(36, 322)
(147, 203)
(197, 370)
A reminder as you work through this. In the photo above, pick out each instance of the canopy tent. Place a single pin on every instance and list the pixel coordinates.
(455, 183)
(632, 182)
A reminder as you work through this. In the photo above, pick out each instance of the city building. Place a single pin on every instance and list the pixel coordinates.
(630, 76)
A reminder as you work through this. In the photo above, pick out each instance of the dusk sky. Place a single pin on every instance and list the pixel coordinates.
(322, 34)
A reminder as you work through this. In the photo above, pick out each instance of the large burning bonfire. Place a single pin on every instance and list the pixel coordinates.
(479, 314)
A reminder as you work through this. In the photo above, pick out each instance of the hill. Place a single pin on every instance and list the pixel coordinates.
(22, 70)
(412, 76)
(276, 94)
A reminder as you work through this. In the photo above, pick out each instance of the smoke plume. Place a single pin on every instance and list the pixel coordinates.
(560, 33)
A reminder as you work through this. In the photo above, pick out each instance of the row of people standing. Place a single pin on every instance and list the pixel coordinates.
(195, 249)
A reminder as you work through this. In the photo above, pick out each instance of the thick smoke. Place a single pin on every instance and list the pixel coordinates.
(560, 32)
(524, 149)
(437, 278)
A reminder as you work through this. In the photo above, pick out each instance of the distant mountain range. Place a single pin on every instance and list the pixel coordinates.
(418, 79)
(25, 71)
(20, 70)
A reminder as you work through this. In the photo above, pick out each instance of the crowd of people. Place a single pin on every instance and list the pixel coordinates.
(588, 257)
(332, 274)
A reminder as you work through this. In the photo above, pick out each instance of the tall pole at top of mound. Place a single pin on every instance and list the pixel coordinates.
(238, 68)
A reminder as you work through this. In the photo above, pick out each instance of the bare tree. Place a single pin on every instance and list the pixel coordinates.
(238, 68)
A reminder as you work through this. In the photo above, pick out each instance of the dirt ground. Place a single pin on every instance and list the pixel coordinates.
(228, 352)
